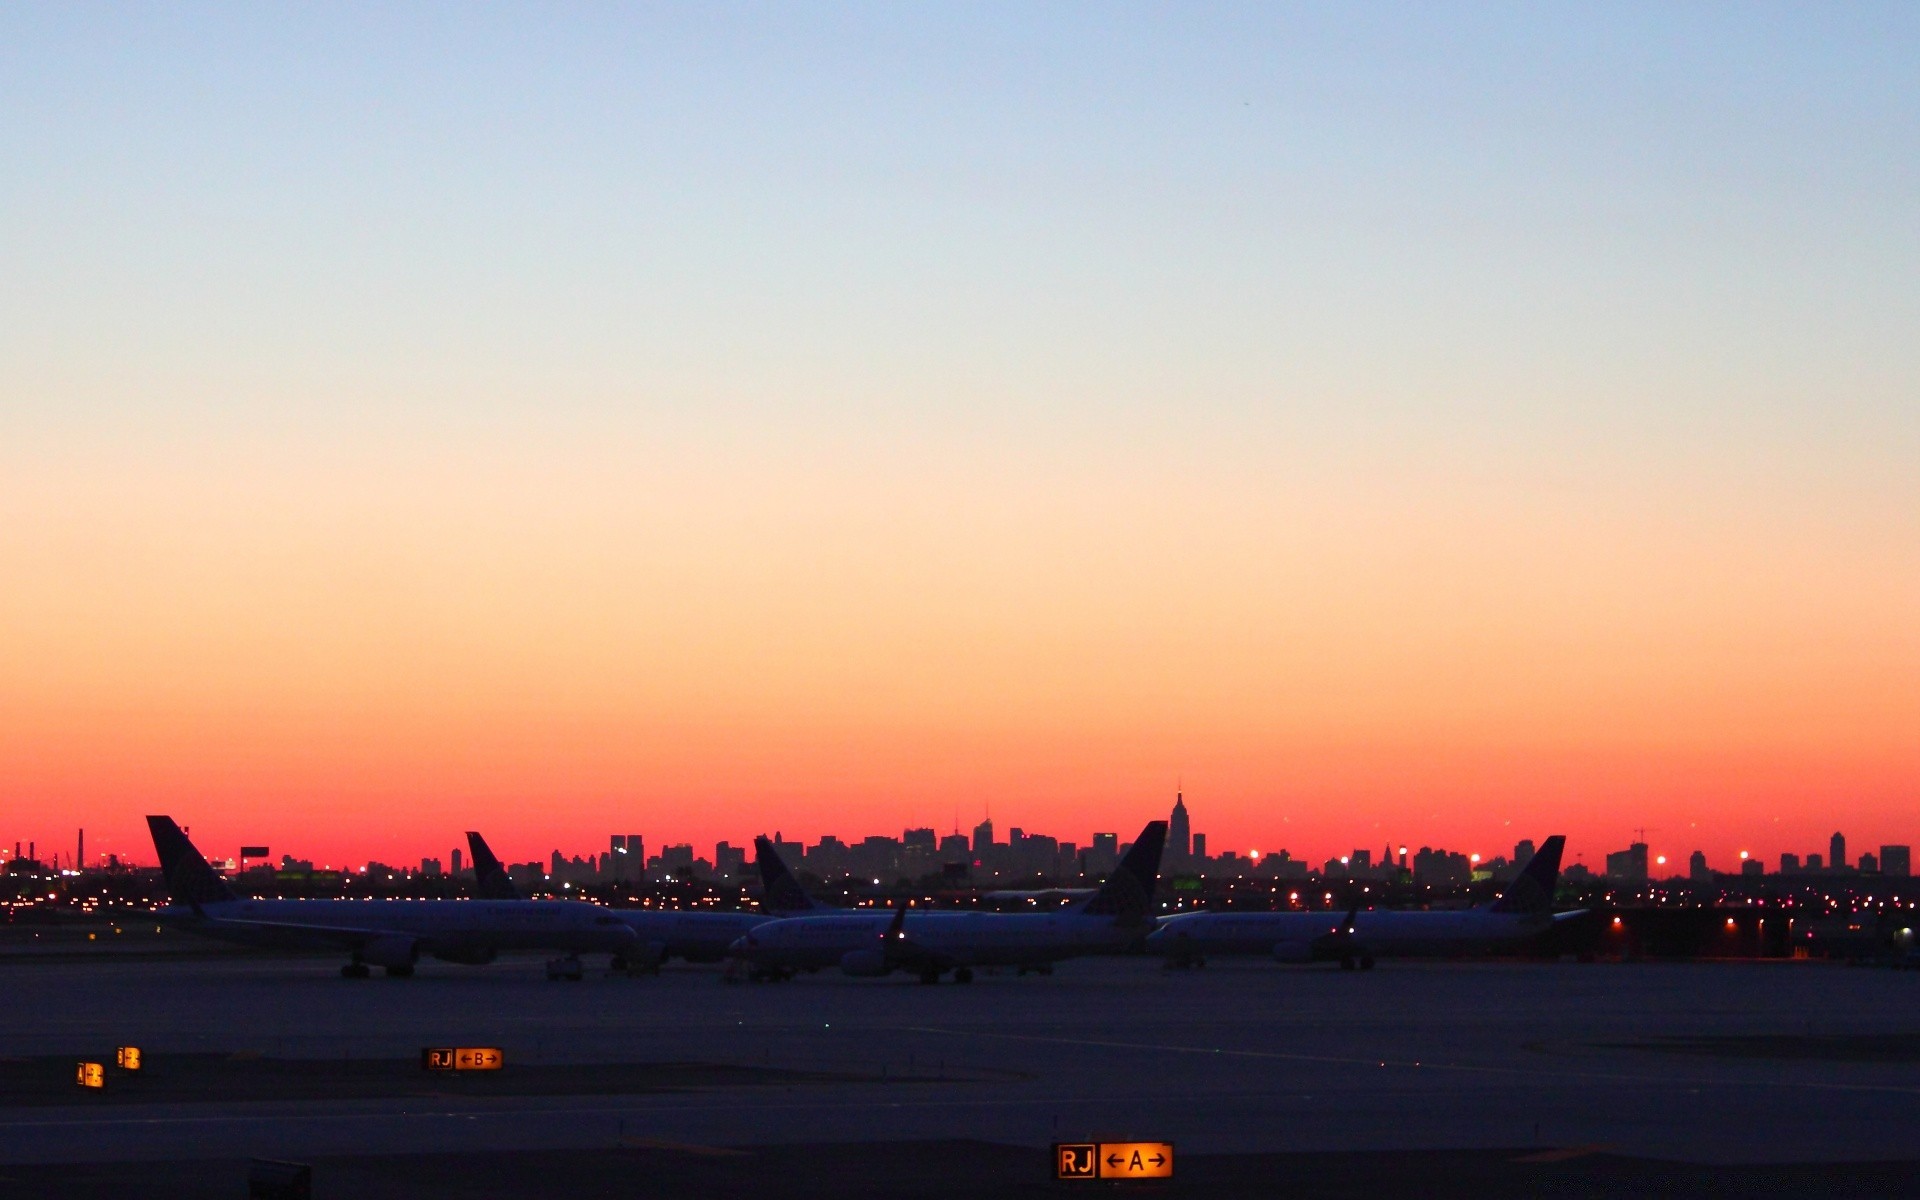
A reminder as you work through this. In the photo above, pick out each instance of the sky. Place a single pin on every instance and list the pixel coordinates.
(1416, 423)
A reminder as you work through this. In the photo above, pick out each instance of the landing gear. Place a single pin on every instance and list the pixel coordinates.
(399, 971)
(1366, 962)
(963, 974)
(929, 976)
(355, 970)
(568, 968)
(1348, 962)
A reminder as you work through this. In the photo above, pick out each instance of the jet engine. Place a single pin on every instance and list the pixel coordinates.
(389, 950)
(472, 956)
(864, 963)
(1293, 952)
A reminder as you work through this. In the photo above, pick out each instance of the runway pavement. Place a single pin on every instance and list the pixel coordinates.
(1241, 1058)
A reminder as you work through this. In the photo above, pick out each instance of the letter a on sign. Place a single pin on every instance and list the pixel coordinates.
(1136, 1160)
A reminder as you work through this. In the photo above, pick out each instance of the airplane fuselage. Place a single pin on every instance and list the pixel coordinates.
(1315, 936)
(691, 935)
(457, 930)
(973, 939)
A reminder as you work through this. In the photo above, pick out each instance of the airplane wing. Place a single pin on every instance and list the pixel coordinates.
(903, 953)
(342, 935)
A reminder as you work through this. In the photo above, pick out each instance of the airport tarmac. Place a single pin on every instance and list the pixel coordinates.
(1703, 1063)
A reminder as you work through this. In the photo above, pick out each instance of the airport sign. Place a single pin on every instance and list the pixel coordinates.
(90, 1075)
(1113, 1160)
(127, 1058)
(462, 1058)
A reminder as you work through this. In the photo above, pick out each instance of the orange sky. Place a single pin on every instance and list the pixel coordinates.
(351, 662)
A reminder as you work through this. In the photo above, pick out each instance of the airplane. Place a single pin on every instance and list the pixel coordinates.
(690, 934)
(929, 944)
(392, 934)
(1521, 914)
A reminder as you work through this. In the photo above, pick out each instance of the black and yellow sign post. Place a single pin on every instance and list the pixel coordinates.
(1113, 1160)
(462, 1058)
(127, 1058)
(90, 1075)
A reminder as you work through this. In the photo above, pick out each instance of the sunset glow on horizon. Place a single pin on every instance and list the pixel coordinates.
(882, 421)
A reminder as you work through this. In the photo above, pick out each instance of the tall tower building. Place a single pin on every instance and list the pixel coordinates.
(1179, 832)
(1837, 851)
(983, 836)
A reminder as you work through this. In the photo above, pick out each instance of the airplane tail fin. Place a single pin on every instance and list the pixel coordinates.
(189, 879)
(781, 891)
(489, 876)
(1532, 890)
(1127, 895)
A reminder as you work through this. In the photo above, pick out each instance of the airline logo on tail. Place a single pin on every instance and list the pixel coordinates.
(781, 892)
(1532, 890)
(190, 880)
(1127, 895)
(489, 876)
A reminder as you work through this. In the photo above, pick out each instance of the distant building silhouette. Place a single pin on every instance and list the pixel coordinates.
(1179, 832)
(983, 837)
(1896, 860)
(1629, 865)
(1837, 851)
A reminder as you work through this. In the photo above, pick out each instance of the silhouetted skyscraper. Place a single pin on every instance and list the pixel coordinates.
(1179, 833)
(1837, 851)
(983, 836)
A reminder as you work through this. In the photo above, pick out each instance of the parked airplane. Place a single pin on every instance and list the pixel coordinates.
(1522, 913)
(876, 942)
(393, 934)
(691, 934)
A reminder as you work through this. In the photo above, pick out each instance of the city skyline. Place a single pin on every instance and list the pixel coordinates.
(419, 419)
(1655, 860)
